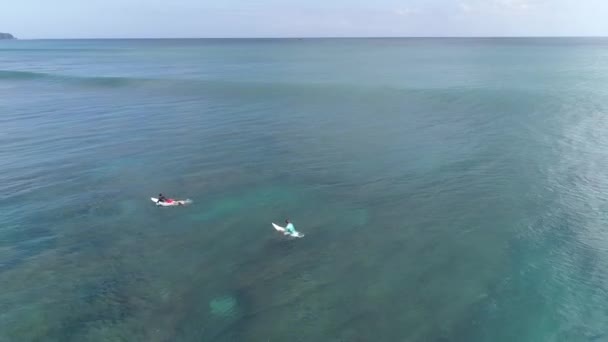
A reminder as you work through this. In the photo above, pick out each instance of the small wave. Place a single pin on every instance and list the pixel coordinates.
(193, 86)
(104, 81)
(20, 75)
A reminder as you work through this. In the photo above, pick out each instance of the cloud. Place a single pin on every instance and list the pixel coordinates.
(405, 11)
(500, 6)
(515, 4)
(466, 7)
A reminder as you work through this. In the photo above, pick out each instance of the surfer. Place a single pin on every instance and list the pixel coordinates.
(161, 198)
(289, 228)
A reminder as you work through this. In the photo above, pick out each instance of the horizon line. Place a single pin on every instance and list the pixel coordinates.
(314, 37)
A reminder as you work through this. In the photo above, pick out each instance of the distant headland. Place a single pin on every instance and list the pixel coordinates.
(6, 36)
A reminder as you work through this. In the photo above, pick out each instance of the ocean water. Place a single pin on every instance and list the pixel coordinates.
(449, 190)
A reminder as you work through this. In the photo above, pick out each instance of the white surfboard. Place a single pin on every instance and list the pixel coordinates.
(173, 203)
(282, 230)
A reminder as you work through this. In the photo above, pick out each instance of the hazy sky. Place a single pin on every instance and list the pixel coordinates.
(289, 18)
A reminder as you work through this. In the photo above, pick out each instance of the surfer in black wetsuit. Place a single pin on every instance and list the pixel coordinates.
(161, 198)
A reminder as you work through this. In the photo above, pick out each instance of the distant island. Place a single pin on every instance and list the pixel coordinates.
(6, 36)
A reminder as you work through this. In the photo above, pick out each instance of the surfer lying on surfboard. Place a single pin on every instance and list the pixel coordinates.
(168, 202)
(163, 199)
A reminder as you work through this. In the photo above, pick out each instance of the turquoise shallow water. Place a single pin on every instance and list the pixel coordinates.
(450, 190)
